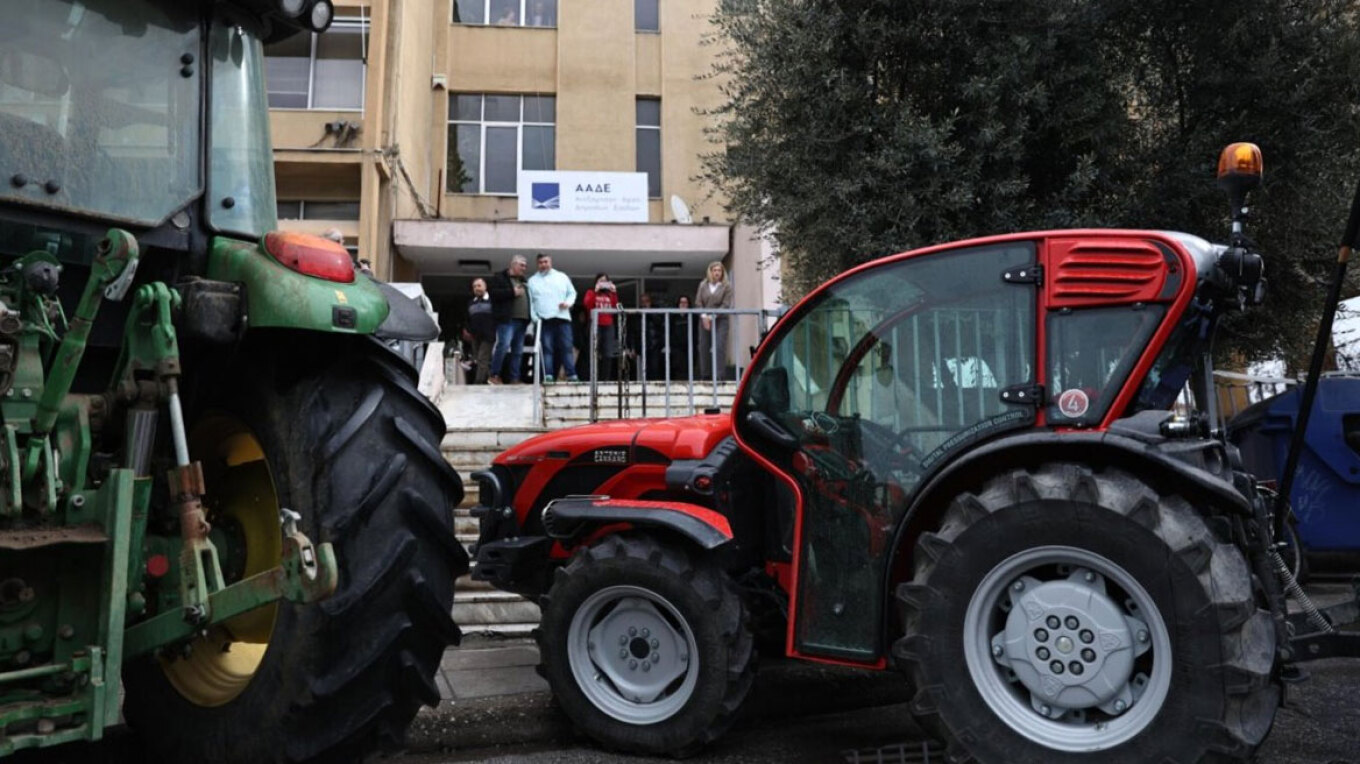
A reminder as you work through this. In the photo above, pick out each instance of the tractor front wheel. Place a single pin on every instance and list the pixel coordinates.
(646, 648)
(1066, 615)
(343, 438)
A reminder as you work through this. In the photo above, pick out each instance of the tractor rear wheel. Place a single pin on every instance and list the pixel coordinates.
(646, 648)
(1065, 615)
(352, 446)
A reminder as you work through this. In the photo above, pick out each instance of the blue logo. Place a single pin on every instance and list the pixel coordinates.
(546, 196)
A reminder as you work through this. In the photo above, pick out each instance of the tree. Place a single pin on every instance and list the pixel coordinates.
(859, 128)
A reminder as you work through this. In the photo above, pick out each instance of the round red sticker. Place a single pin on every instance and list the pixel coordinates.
(1073, 403)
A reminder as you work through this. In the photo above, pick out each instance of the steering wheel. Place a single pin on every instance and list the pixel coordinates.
(884, 440)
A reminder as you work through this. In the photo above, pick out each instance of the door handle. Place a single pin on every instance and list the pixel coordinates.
(771, 430)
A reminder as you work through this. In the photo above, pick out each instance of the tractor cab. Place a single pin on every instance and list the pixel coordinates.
(881, 377)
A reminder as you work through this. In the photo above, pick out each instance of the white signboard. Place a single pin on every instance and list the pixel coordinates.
(583, 197)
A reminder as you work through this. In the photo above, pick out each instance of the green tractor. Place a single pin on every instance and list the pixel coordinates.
(221, 497)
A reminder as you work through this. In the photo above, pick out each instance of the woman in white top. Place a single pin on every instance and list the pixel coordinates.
(715, 291)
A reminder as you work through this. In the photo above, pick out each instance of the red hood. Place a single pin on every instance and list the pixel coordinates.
(688, 438)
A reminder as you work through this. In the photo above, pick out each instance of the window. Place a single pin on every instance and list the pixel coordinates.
(1090, 354)
(506, 13)
(493, 137)
(649, 143)
(646, 15)
(326, 71)
(318, 210)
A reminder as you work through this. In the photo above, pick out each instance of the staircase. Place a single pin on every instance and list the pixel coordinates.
(483, 421)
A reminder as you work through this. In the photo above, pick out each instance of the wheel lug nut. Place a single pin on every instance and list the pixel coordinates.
(646, 666)
(1086, 636)
(656, 657)
(997, 650)
(1041, 635)
(623, 640)
(623, 653)
(632, 631)
(1045, 710)
(1076, 668)
(1120, 706)
(1072, 622)
(1088, 655)
(1142, 636)
(645, 633)
(1053, 622)
(1090, 577)
(632, 665)
(1018, 586)
(655, 643)
(1043, 653)
(1057, 667)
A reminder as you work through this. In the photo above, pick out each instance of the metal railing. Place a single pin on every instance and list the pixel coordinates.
(680, 332)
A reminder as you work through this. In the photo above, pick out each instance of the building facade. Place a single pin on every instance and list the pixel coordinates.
(411, 125)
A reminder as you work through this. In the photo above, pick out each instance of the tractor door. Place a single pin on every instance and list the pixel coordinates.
(873, 383)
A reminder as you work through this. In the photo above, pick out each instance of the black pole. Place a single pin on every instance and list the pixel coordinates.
(1310, 385)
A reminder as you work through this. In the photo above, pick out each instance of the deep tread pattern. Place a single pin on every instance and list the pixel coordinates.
(1232, 605)
(354, 447)
(623, 559)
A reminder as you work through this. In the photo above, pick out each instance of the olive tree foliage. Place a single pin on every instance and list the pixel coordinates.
(853, 129)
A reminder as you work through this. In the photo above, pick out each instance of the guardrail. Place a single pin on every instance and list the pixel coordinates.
(672, 339)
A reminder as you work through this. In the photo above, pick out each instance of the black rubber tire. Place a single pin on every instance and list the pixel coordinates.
(355, 449)
(1223, 691)
(706, 600)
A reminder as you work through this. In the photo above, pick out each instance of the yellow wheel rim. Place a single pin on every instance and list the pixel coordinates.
(240, 487)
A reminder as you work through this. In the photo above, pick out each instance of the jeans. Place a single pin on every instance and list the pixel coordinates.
(557, 349)
(509, 339)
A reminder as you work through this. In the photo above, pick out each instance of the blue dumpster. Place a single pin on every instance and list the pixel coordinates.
(1326, 491)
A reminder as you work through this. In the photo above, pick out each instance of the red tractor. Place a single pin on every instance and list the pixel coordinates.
(966, 463)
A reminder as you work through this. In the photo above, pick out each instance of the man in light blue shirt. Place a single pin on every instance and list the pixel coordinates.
(551, 296)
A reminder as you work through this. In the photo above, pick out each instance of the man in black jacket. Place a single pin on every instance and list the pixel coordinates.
(510, 309)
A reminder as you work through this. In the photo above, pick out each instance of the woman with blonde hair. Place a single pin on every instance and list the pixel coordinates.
(715, 291)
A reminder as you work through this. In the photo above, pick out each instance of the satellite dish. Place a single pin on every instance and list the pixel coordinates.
(680, 210)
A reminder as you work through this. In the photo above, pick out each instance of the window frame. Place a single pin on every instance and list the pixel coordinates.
(346, 22)
(482, 125)
(302, 207)
(638, 127)
(523, 16)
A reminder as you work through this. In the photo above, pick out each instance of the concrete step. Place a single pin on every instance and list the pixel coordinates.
(473, 608)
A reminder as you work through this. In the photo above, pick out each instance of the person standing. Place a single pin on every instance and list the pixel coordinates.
(715, 291)
(481, 329)
(647, 340)
(551, 296)
(681, 359)
(603, 295)
(510, 309)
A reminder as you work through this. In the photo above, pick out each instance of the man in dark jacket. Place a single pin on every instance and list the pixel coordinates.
(481, 329)
(510, 309)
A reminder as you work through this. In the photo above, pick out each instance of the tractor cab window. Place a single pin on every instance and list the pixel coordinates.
(869, 388)
(99, 113)
(1090, 354)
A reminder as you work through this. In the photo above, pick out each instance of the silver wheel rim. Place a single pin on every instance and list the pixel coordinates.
(632, 654)
(1096, 679)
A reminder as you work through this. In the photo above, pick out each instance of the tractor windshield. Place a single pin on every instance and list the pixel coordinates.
(99, 107)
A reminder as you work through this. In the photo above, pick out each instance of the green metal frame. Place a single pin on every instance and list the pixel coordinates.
(279, 297)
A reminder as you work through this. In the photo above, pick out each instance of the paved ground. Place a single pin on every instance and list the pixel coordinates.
(496, 709)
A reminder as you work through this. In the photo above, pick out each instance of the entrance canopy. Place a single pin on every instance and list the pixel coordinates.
(475, 247)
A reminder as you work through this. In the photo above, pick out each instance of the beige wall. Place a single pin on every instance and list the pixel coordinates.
(594, 63)
(597, 66)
